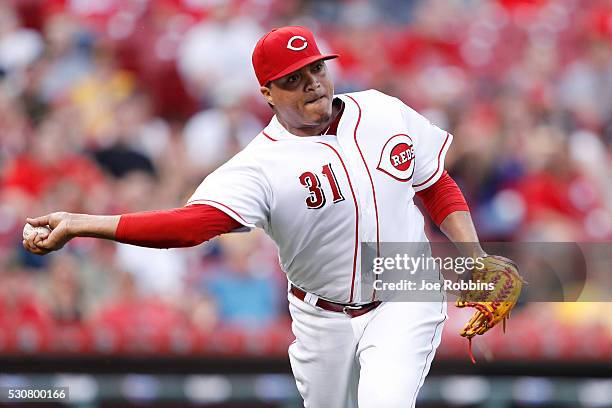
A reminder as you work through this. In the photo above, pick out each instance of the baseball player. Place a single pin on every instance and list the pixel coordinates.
(327, 173)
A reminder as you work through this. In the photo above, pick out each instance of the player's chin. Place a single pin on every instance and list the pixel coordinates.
(318, 112)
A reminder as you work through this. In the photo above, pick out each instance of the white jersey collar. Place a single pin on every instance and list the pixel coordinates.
(275, 131)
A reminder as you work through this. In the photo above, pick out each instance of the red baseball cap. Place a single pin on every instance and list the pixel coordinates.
(284, 50)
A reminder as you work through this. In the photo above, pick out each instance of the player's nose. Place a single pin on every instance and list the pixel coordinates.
(312, 82)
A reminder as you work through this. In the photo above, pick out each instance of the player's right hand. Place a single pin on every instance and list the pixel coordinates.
(41, 244)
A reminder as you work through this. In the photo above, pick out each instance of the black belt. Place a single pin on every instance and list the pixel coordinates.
(349, 310)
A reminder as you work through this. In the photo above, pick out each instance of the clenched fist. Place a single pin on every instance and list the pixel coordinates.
(43, 243)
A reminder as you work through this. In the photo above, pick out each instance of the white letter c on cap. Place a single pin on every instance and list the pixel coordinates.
(297, 37)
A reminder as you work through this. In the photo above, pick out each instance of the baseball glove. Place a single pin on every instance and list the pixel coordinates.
(492, 306)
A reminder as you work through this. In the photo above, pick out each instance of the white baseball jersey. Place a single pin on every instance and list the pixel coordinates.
(319, 197)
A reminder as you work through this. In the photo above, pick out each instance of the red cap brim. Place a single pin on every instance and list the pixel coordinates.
(302, 63)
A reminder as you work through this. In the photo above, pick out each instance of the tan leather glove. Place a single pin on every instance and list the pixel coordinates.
(492, 306)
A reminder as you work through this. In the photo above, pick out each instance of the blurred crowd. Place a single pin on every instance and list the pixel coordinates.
(116, 106)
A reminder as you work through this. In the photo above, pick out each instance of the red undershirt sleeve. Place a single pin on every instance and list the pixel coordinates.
(175, 228)
(442, 198)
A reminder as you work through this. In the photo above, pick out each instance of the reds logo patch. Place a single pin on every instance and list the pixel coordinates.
(293, 47)
(397, 158)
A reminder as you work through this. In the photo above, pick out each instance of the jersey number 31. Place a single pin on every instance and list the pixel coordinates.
(316, 198)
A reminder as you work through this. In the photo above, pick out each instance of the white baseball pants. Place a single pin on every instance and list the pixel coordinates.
(377, 360)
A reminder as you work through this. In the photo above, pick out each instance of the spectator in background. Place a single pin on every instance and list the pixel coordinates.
(156, 272)
(15, 128)
(53, 163)
(586, 86)
(135, 321)
(219, 132)
(243, 285)
(97, 96)
(24, 317)
(19, 47)
(64, 293)
(67, 56)
(214, 56)
(150, 133)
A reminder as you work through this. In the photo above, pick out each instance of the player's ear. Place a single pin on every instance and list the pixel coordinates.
(267, 93)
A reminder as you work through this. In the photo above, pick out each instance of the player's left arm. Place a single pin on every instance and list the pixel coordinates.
(459, 228)
(447, 207)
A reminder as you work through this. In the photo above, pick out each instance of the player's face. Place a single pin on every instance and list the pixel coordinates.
(303, 98)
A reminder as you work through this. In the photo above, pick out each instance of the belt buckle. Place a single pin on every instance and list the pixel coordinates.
(346, 309)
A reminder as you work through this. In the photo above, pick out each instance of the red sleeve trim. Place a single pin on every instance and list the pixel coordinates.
(222, 207)
(443, 198)
(439, 163)
(269, 137)
(176, 228)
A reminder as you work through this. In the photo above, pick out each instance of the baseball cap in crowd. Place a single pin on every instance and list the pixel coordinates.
(284, 50)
